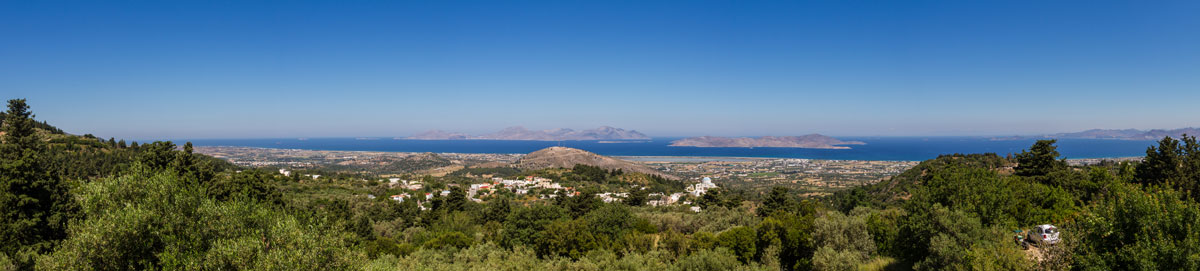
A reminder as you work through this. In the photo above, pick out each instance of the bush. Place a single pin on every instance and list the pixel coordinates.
(7, 264)
(156, 221)
(740, 241)
(485, 256)
(566, 238)
(387, 246)
(448, 239)
(703, 240)
(705, 260)
(938, 238)
(826, 258)
(842, 241)
(884, 227)
(1139, 229)
(523, 224)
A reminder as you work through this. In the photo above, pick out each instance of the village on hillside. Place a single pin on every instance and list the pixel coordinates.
(481, 176)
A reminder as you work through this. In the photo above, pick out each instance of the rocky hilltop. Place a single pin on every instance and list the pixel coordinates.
(812, 141)
(1123, 134)
(556, 157)
(520, 133)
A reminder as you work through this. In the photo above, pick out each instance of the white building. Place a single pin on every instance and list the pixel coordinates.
(699, 189)
(674, 198)
(476, 189)
(609, 197)
(523, 186)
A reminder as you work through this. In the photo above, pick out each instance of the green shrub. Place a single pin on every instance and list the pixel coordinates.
(706, 260)
(1138, 228)
(842, 241)
(740, 241)
(148, 220)
(448, 239)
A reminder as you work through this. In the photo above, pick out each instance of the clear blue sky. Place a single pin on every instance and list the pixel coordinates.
(245, 69)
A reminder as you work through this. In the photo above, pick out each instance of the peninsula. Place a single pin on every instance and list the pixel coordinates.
(520, 133)
(811, 141)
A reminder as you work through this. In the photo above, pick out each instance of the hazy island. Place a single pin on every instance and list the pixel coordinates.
(811, 141)
(1121, 134)
(520, 133)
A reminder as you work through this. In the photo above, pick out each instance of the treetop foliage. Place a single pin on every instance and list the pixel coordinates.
(1041, 159)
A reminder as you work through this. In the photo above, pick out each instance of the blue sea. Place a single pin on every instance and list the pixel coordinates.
(877, 148)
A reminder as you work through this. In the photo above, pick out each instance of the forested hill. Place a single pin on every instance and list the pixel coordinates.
(43, 125)
(898, 188)
(88, 157)
(955, 211)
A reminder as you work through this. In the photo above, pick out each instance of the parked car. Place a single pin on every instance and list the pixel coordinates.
(1043, 234)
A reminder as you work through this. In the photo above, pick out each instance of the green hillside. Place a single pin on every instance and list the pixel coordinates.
(81, 203)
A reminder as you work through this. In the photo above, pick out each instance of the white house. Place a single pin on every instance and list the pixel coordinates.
(699, 189)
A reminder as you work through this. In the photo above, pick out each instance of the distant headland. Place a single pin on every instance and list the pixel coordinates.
(1122, 134)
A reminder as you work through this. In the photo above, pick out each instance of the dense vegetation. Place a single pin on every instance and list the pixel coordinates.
(79, 202)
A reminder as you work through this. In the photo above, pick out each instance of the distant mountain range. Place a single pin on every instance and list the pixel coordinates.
(520, 133)
(811, 141)
(1123, 134)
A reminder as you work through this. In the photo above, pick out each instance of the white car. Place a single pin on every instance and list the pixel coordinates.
(1043, 234)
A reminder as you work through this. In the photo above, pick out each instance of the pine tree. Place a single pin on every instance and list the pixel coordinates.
(1191, 166)
(184, 163)
(1175, 162)
(34, 206)
(456, 200)
(1162, 164)
(497, 209)
(1041, 159)
(637, 197)
(780, 199)
(158, 155)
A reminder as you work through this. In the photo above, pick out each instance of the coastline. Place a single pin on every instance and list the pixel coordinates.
(652, 158)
